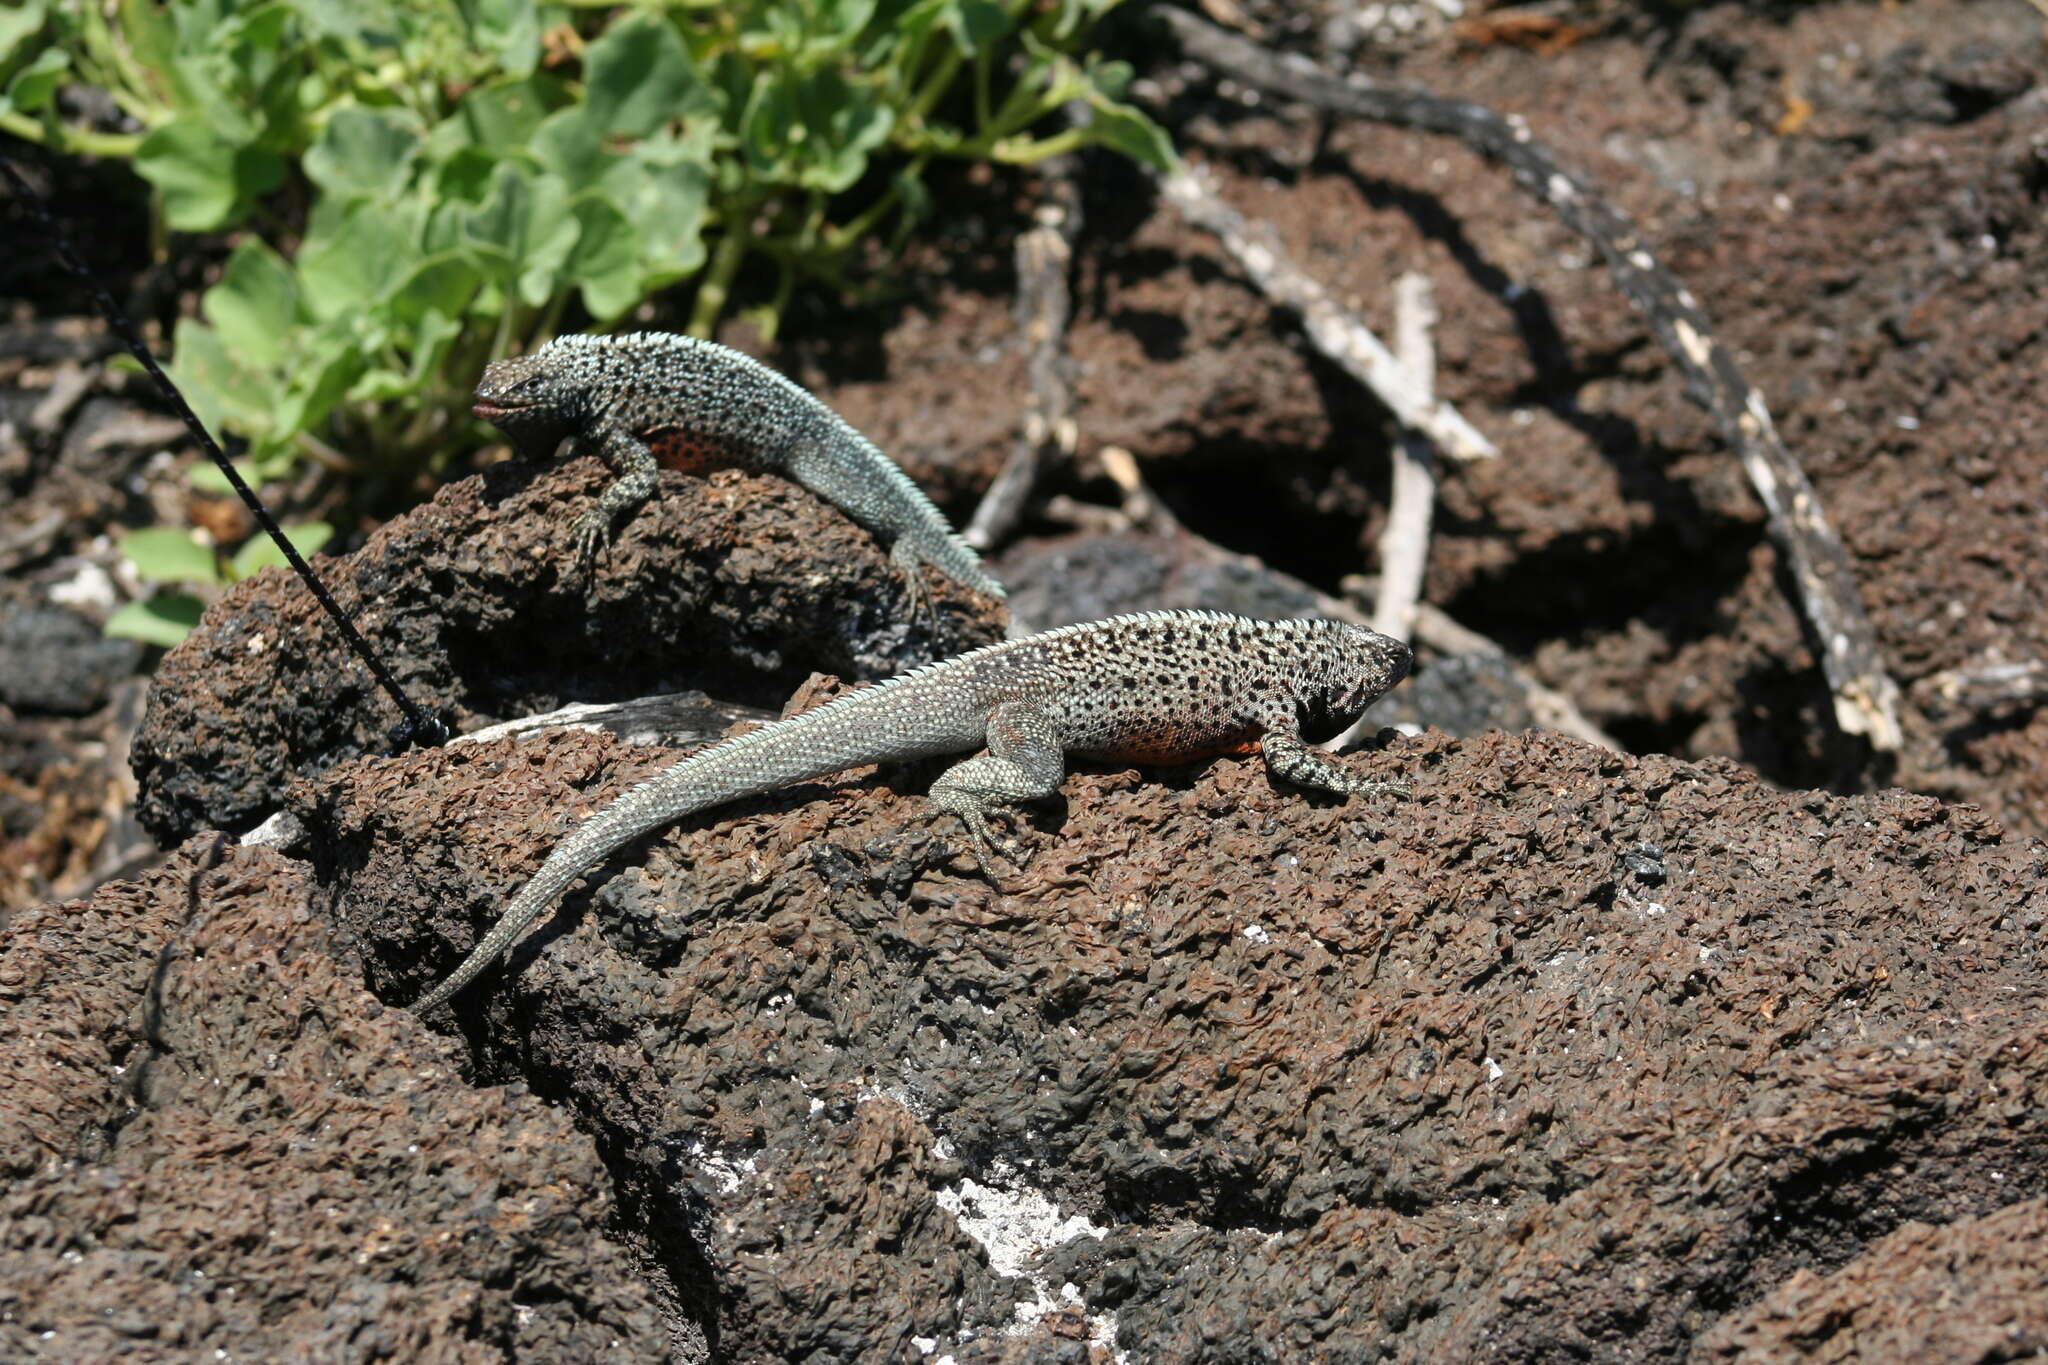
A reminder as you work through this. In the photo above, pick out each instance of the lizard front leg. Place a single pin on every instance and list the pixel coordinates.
(635, 468)
(1291, 759)
(1024, 762)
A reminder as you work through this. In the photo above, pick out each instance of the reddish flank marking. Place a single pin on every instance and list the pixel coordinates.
(674, 448)
(1176, 750)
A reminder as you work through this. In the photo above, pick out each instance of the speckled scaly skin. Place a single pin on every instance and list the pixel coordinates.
(1162, 687)
(652, 400)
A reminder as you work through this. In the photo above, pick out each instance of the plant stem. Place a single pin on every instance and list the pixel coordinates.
(717, 281)
(1026, 151)
(59, 138)
(840, 238)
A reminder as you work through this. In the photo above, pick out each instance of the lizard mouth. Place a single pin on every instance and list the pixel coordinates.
(491, 409)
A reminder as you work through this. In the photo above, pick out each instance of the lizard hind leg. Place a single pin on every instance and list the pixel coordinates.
(1024, 762)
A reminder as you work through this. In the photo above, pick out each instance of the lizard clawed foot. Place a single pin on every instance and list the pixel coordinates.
(1368, 788)
(588, 539)
(983, 841)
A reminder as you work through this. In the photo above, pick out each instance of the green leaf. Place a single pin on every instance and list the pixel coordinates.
(976, 24)
(605, 261)
(505, 114)
(162, 620)
(843, 19)
(465, 176)
(19, 24)
(33, 85)
(431, 338)
(639, 76)
(222, 390)
(206, 477)
(507, 29)
(442, 284)
(166, 554)
(352, 254)
(1124, 129)
(663, 189)
(332, 359)
(570, 144)
(260, 551)
(151, 36)
(362, 152)
(255, 306)
(197, 173)
(815, 130)
(523, 231)
(1111, 79)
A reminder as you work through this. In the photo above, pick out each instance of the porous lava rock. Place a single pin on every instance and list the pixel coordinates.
(218, 1146)
(738, 584)
(1567, 1054)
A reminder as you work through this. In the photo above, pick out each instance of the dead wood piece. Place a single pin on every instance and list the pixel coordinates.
(1987, 686)
(1411, 505)
(1865, 696)
(1045, 253)
(672, 718)
(1335, 330)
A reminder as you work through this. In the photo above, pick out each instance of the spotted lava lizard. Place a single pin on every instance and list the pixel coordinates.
(652, 400)
(1160, 687)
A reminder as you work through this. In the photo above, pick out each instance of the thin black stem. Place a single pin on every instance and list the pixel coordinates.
(418, 727)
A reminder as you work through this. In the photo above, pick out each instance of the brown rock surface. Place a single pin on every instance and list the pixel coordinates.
(219, 1147)
(1976, 1289)
(1567, 1054)
(738, 584)
(1881, 268)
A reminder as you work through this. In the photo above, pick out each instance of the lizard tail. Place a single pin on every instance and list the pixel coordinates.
(590, 843)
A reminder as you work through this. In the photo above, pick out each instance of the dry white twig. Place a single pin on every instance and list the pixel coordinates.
(1404, 543)
(1866, 697)
(1334, 329)
(1045, 254)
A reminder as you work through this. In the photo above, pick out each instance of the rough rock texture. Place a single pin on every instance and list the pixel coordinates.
(1976, 1289)
(1568, 1054)
(1854, 195)
(216, 1146)
(741, 585)
(57, 661)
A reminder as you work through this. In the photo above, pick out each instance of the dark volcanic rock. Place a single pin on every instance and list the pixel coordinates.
(1568, 1054)
(55, 660)
(740, 585)
(218, 1147)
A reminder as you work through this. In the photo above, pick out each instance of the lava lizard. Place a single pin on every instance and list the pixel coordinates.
(651, 400)
(1159, 687)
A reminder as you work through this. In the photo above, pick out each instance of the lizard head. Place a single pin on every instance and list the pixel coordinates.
(1357, 666)
(529, 398)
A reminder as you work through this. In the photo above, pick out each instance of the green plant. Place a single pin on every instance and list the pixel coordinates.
(428, 185)
(164, 555)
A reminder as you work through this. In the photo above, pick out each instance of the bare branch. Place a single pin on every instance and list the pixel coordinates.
(1334, 329)
(1988, 685)
(1404, 543)
(1045, 254)
(1866, 699)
